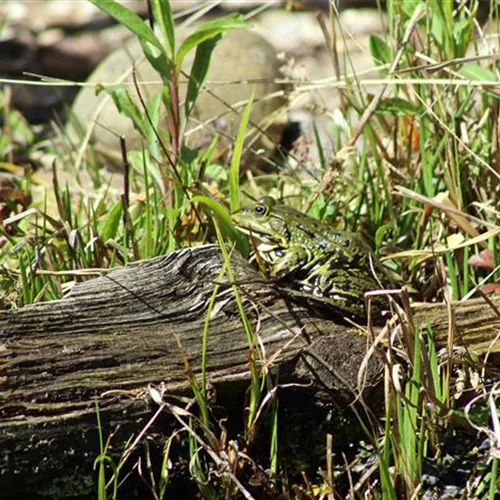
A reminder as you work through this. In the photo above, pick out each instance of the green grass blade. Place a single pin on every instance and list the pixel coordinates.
(493, 479)
(148, 217)
(321, 152)
(254, 352)
(234, 171)
(154, 109)
(224, 218)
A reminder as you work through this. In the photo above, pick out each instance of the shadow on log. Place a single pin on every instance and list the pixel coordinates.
(113, 336)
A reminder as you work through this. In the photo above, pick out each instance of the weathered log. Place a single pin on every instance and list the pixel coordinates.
(114, 335)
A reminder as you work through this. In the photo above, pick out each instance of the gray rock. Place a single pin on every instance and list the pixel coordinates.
(242, 57)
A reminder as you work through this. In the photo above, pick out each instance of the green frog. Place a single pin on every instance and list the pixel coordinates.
(338, 267)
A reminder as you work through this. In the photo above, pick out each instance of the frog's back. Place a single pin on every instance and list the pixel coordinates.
(321, 234)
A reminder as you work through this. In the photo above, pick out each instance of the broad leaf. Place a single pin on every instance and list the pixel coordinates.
(158, 59)
(380, 51)
(126, 106)
(441, 17)
(152, 47)
(206, 32)
(112, 222)
(463, 29)
(199, 72)
(396, 106)
(475, 72)
(381, 232)
(408, 7)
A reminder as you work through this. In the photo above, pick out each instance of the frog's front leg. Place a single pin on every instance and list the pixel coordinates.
(293, 259)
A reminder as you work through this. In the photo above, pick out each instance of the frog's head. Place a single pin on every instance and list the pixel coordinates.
(264, 221)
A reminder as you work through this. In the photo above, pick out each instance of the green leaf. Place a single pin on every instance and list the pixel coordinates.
(319, 145)
(166, 96)
(152, 47)
(219, 209)
(462, 32)
(162, 14)
(317, 207)
(474, 72)
(232, 21)
(437, 30)
(199, 72)
(129, 19)
(20, 129)
(158, 59)
(112, 222)
(381, 232)
(191, 43)
(188, 158)
(207, 155)
(441, 17)
(380, 51)
(206, 32)
(234, 171)
(126, 106)
(216, 172)
(396, 106)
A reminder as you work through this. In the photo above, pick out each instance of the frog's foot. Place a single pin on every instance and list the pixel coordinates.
(293, 259)
(345, 289)
(337, 300)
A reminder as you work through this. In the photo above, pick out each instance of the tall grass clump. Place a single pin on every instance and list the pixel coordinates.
(422, 151)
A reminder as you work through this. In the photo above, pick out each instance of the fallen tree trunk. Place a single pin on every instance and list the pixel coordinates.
(114, 335)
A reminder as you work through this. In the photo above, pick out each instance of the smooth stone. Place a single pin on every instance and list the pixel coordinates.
(241, 56)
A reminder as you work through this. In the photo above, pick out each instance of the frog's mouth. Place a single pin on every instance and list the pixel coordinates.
(259, 234)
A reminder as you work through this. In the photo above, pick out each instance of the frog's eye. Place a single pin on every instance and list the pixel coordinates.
(260, 210)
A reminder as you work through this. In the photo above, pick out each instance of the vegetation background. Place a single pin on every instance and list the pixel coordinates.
(415, 168)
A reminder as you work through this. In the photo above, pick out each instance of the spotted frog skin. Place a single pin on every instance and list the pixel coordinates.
(337, 266)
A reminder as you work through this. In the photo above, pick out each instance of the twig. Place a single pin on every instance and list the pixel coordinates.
(127, 222)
